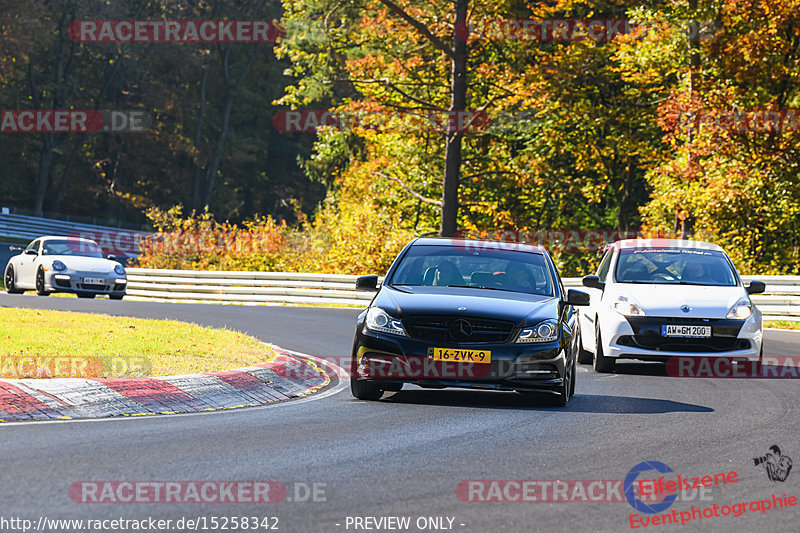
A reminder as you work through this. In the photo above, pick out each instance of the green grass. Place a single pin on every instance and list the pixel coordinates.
(124, 347)
(781, 324)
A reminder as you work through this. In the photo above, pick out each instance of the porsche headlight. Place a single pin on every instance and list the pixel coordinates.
(626, 307)
(59, 266)
(741, 309)
(119, 269)
(542, 332)
(379, 320)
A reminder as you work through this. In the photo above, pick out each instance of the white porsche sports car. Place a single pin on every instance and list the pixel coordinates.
(656, 299)
(65, 264)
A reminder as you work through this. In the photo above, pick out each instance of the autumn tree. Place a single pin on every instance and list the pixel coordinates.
(727, 168)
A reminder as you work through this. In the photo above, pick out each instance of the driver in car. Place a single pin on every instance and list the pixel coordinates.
(447, 274)
(517, 278)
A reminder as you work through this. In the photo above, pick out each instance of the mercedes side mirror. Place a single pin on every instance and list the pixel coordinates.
(367, 283)
(576, 297)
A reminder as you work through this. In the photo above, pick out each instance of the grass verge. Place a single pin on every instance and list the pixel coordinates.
(781, 324)
(41, 343)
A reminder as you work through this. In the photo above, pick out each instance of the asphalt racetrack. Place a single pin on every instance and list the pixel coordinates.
(406, 455)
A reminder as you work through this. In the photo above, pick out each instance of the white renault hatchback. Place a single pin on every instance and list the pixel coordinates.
(661, 298)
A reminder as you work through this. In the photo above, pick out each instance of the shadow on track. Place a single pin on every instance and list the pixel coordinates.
(784, 368)
(580, 403)
(640, 368)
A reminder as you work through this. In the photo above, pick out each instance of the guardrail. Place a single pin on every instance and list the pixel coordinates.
(781, 300)
(245, 287)
(26, 228)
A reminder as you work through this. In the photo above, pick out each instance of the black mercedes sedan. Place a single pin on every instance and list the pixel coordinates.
(468, 313)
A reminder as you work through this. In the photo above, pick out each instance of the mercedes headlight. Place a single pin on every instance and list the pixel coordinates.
(542, 332)
(626, 307)
(379, 320)
(59, 266)
(119, 269)
(741, 309)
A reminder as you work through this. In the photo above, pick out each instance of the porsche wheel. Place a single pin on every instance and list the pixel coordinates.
(11, 287)
(40, 290)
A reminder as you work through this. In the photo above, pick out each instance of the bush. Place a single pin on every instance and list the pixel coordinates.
(360, 241)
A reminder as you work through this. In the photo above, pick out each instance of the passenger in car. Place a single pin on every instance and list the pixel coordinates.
(694, 272)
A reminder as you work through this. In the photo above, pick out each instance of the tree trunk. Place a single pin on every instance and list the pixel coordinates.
(213, 167)
(198, 135)
(230, 96)
(43, 177)
(63, 185)
(458, 102)
(687, 225)
(63, 73)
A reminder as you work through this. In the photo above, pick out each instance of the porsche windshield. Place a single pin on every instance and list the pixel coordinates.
(674, 266)
(487, 269)
(71, 247)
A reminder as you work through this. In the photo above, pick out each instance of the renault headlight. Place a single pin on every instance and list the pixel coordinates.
(542, 332)
(626, 307)
(741, 309)
(379, 320)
